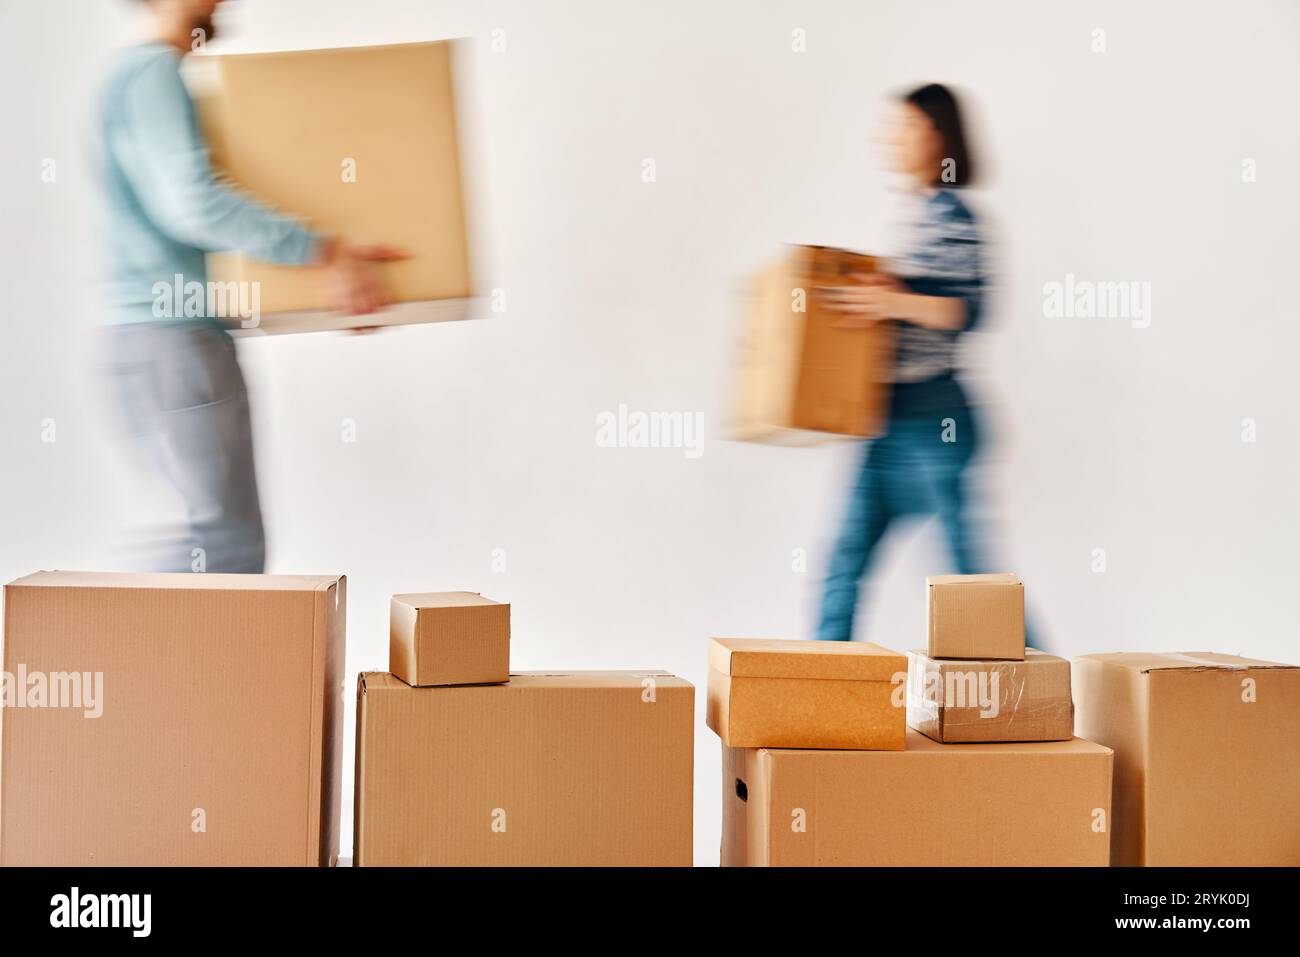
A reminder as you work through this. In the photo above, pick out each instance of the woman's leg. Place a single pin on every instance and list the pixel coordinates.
(949, 480)
(865, 523)
(944, 452)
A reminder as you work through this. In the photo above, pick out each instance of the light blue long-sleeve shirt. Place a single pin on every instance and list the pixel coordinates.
(164, 206)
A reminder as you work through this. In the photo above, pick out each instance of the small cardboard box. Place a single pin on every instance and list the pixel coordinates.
(362, 142)
(954, 701)
(449, 638)
(803, 377)
(770, 692)
(975, 617)
(587, 769)
(213, 730)
(1207, 756)
(1039, 804)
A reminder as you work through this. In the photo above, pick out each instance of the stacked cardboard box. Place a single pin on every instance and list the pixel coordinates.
(171, 719)
(987, 700)
(1031, 804)
(451, 638)
(804, 694)
(534, 769)
(819, 767)
(976, 681)
(1207, 760)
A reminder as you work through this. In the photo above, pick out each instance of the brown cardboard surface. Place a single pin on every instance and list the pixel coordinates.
(801, 658)
(219, 740)
(584, 768)
(802, 378)
(1035, 804)
(449, 638)
(961, 701)
(281, 125)
(1207, 759)
(769, 692)
(976, 617)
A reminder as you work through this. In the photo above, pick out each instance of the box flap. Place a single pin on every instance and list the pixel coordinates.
(1144, 662)
(998, 578)
(1032, 657)
(917, 742)
(379, 681)
(443, 599)
(192, 580)
(804, 658)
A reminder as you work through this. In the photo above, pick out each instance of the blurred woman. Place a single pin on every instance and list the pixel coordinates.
(934, 293)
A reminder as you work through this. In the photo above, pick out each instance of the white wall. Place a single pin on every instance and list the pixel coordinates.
(1123, 165)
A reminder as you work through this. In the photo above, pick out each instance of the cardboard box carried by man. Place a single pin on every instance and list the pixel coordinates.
(365, 143)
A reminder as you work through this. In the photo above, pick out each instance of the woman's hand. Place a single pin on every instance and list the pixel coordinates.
(870, 298)
(877, 297)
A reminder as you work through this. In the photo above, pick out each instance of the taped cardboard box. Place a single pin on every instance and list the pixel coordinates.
(802, 377)
(363, 143)
(1207, 757)
(1033, 804)
(961, 701)
(579, 769)
(771, 692)
(180, 719)
(975, 617)
(449, 638)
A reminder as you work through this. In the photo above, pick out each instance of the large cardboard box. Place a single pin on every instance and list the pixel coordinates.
(953, 701)
(975, 617)
(1039, 804)
(361, 141)
(777, 693)
(802, 378)
(449, 638)
(1207, 756)
(586, 768)
(172, 719)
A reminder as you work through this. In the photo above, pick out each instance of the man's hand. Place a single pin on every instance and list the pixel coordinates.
(352, 275)
(871, 298)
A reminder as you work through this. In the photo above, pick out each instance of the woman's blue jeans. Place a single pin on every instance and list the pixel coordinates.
(917, 468)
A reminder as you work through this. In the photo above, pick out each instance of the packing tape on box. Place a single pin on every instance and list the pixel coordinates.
(928, 700)
(1206, 662)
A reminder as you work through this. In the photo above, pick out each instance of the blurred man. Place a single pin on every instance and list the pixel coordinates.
(173, 371)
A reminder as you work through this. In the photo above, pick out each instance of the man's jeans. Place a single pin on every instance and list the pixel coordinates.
(909, 471)
(182, 395)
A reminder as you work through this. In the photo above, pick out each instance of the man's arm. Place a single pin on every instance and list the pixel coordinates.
(163, 155)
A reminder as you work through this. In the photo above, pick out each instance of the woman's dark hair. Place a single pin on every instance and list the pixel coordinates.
(938, 103)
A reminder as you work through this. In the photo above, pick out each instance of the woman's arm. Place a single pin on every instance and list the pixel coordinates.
(931, 312)
(882, 297)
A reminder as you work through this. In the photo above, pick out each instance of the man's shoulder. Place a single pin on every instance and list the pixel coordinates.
(140, 60)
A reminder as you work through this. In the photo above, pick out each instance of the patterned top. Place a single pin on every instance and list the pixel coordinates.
(939, 255)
